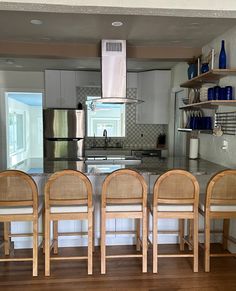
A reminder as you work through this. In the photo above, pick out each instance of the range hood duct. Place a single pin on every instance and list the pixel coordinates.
(114, 75)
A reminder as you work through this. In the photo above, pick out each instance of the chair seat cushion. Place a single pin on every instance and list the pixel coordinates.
(170, 207)
(20, 209)
(69, 209)
(124, 207)
(215, 208)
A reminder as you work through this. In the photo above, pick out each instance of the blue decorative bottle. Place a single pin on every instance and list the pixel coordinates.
(222, 56)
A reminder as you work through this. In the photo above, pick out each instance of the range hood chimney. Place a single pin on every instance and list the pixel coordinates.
(114, 75)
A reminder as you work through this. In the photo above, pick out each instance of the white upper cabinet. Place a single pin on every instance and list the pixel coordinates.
(60, 89)
(154, 90)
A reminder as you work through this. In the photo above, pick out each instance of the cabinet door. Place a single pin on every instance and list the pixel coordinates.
(68, 89)
(154, 90)
(52, 89)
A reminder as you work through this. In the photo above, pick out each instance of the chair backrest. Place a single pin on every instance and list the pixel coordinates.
(18, 189)
(176, 187)
(221, 188)
(68, 187)
(124, 186)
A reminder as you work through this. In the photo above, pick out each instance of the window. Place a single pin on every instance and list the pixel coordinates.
(16, 132)
(105, 116)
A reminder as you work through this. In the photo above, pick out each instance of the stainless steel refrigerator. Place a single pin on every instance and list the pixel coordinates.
(64, 132)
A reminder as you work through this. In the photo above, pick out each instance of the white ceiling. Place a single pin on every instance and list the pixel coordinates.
(91, 28)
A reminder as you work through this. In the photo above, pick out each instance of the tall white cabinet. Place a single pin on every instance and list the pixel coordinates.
(154, 90)
(60, 89)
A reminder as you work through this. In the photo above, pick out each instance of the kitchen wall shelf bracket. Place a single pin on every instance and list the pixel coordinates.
(210, 104)
(212, 76)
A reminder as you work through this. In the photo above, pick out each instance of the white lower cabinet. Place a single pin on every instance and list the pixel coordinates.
(60, 89)
(154, 90)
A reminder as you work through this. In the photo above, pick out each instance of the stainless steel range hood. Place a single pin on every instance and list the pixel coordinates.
(114, 75)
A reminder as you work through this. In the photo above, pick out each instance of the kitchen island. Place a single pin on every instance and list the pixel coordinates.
(150, 168)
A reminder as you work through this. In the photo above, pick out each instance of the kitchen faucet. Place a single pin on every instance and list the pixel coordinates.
(106, 140)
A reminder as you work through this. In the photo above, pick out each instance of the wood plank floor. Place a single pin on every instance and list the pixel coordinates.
(122, 274)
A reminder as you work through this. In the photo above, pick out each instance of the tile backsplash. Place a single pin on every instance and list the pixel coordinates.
(137, 135)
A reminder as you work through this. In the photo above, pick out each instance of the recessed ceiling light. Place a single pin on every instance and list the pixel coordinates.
(36, 21)
(194, 23)
(10, 62)
(117, 23)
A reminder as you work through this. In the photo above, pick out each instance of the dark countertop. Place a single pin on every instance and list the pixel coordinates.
(157, 165)
(149, 165)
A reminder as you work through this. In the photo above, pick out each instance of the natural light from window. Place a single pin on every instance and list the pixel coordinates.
(102, 116)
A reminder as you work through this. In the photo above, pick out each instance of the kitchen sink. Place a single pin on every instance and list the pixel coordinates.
(112, 159)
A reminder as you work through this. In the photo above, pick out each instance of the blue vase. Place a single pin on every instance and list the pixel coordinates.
(222, 56)
(192, 71)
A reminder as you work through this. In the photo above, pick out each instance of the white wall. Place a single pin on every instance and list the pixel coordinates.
(210, 146)
(15, 81)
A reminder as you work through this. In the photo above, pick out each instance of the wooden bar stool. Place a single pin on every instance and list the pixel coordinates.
(219, 203)
(19, 202)
(124, 195)
(175, 195)
(68, 196)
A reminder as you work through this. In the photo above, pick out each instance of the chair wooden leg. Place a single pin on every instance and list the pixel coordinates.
(207, 243)
(226, 224)
(55, 237)
(181, 234)
(103, 241)
(190, 233)
(6, 238)
(148, 218)
(35, 247)
(144, 240)
(154, 242)
(90, 242)
(195, 243)
(93, 232)
(47, 244)
(43, 229)
(137, 225)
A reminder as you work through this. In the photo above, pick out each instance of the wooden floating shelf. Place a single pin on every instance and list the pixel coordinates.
(212, 76)
(212, 104)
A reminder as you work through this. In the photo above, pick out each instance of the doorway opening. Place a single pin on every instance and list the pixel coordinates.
(24, 124)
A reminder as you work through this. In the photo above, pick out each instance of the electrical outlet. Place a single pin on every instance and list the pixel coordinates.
(225, 145)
